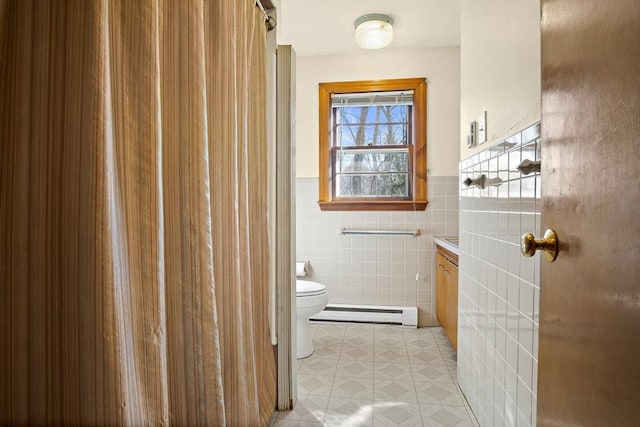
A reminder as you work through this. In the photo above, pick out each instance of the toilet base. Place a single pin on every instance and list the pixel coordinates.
(307, 305)
(304, 342)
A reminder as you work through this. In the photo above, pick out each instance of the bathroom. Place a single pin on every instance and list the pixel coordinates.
(400, 270)
(166, 167)
(485, 69)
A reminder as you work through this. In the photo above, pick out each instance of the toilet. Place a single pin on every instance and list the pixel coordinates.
(311, 299)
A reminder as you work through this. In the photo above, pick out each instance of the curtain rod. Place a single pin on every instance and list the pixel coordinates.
(269, 20)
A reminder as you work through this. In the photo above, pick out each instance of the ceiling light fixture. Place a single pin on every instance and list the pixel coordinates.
(374, 31)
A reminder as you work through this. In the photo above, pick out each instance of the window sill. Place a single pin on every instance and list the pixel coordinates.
(368, 205)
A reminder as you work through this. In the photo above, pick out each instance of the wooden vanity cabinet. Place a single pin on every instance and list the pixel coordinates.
(447, 293)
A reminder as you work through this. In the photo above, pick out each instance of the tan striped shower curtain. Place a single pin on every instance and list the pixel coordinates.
(133, 239)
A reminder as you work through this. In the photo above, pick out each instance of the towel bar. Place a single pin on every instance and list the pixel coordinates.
(413, 233)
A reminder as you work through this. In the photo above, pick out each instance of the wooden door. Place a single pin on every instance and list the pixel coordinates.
(589, 348)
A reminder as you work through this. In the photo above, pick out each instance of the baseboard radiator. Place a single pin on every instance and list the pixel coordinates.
(405, 316)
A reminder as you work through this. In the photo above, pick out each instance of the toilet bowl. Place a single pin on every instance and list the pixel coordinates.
(311, 298)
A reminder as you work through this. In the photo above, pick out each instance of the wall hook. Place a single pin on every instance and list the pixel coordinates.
(482, 181)
(529, 166)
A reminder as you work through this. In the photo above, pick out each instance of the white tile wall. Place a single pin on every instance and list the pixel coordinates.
(499, 288)
(376, 270)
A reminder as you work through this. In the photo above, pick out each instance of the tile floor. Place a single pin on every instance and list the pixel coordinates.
(378, 375)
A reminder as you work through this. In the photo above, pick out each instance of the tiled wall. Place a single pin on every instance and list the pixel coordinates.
(499, 288)
(376, 270)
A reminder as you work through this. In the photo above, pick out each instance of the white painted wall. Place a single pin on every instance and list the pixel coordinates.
(500, 67)
(440, 66)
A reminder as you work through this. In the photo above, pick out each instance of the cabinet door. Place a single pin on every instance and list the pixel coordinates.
(451, 272)
(441, 291)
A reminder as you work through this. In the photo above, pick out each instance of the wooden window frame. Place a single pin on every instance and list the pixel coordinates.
(417, 150)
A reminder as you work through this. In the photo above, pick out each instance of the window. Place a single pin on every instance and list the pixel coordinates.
(373, 145)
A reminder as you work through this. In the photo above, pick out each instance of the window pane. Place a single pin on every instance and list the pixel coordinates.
(380, 134)
(402, 97)
(367, 185)
(372, 161)
(372, 114)
(372, 125)
(381, 172)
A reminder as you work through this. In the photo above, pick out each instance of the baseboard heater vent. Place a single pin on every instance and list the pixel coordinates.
(405, 316)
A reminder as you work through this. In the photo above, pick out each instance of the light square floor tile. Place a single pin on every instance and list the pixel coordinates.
(309, 409)
(392, 371)
(316, 385)
(360, 352)
(453, 370)
(327, 340)
(449, 356)
(422, 342)
(426, 357)
(398, 414)
(395, 391)
(445, 416)
(390, 341)
(326, 352)
(364, 333)
(438, 393)
(355, 368)
(327, 331)
(320, 367)
(432, 373)
(386, 330)
(349, 412)
(289, 423)
(377, 375)
(358, 340)
(396, 354)
(352, 387)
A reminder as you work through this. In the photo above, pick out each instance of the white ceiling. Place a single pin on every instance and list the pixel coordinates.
(325, 27)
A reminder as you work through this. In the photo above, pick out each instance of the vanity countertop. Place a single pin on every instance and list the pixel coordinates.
(449, 243)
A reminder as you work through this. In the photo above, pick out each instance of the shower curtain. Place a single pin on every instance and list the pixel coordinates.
(133, 229)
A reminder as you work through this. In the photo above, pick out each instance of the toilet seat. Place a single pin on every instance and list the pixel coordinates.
(306, 288)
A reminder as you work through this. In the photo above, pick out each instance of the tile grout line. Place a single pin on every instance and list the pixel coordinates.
(333, 381)
(413, 381)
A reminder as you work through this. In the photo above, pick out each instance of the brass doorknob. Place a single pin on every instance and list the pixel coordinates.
(548, 244)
